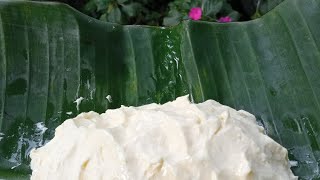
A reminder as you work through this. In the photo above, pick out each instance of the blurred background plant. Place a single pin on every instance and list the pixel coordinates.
(147, 12)
(170, 12)
(211, 10)
(157, 13)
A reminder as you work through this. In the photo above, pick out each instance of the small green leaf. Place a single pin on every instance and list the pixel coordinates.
(114, 16)
(101, 4)
(256, 15)
(227, 10)
(90, 6)
(173, 18)
(234, 15)
(131, 9)
(103, 17)
(185, 6)
(212, 7)
(171, 21)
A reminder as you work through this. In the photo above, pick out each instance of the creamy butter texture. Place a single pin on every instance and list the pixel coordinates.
(175, 141)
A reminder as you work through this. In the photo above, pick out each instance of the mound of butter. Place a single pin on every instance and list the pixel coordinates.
(178, 140)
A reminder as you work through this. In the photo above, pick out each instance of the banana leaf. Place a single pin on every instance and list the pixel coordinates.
(51, 55)
(267, 5)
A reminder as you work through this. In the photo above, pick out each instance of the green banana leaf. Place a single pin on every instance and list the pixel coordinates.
(267, 5)
(50, 55)
(254, 8)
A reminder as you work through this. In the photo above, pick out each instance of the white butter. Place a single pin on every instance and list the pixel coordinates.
(78, 101)
(109, 98)
(177, 140)
(69, 113)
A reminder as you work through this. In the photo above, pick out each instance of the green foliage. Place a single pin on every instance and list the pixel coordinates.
(128, 11)
(171, 12)
(161, 12)
(212, 9)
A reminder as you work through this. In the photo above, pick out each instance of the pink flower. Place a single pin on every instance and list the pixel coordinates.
(225, 19)
(195, 13)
